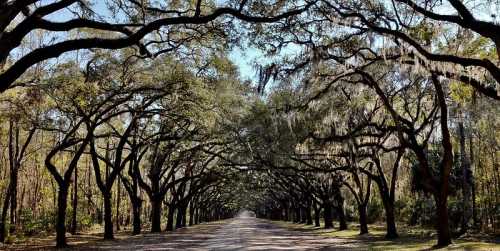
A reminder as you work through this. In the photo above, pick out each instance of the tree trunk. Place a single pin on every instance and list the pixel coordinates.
(303, 215)
(155, 216)
(196, 216)
(108, 217)
(328, 215)
(287, 213)
(390, 220)
(170, 218)
(443, 229)
(191, 213)
(5, 209)
(317, 211)
(184, 216)
(136, 211)
(178, 220)
(62, 203)
(118, 200)
(441, 195)
(309, 216)
(363, 224)
(13, 201)
(14, 169)
(342, 220)
(297, 215)
(75, 203)
(473, 185)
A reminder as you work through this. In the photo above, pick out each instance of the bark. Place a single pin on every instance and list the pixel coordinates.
(155, 216)
(196, 216)
(5, 209)
(14, 168)
(13, 201)
(287, 213)
(303, 215)
(392, 232)
(184, 216)
(170, 218)
(108, 217)
(297, 215)
(118, 199)
(342, 219)
(317, 211)
(178, 220)
(441, 196)
(363, 222)
(308, 216)
(136, 211)
(191, 213)
(75, 204)
(473, 185)
(328, 215)
(442, 226)
(62, 202)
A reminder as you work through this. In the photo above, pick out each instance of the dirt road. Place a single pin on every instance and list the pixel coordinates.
(241, 233)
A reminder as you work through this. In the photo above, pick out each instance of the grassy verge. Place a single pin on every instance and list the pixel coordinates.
(413, 238)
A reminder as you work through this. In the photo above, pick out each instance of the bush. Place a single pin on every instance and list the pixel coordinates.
(31, 225)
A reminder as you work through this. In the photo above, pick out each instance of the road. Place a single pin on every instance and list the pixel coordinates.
(241, 233)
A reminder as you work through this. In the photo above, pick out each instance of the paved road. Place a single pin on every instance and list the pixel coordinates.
(241, 233)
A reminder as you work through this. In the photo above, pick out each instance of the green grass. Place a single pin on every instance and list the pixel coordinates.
(413, 238)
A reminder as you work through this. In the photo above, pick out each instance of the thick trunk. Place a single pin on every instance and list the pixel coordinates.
(328, 215)
(392, 232)
(170, 218)
(443, 228)
(156, 216)
(191, 213)
(390, 219)
(62, 202)
(179, 216)
(136, 211)
(108, 217)
(363, 222)
(184, 216)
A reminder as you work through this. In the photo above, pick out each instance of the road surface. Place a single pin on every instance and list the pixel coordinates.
(241, 233)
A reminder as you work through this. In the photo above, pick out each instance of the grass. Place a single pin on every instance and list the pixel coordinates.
(413, 238)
